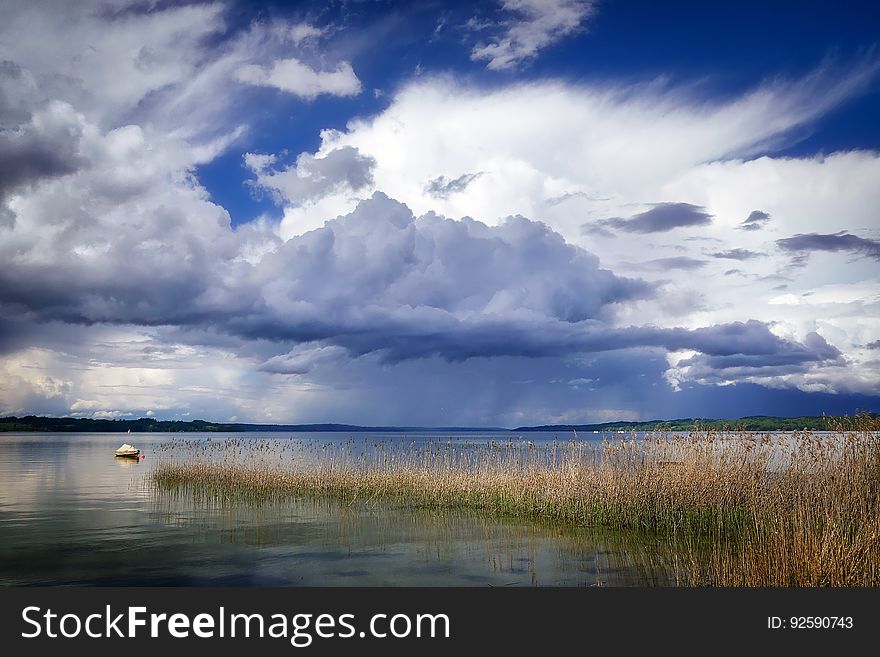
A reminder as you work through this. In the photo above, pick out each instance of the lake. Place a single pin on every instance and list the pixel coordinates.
(72, 514)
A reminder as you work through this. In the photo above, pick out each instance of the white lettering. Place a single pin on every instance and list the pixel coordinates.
(203, 626)
(89, 626)
(112, 625)
(155, 619)
(178, 626)
(24, 616)
(373, 626)
(77, 624)
(134, 621)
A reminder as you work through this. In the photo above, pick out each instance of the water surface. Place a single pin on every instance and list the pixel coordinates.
(72, 514)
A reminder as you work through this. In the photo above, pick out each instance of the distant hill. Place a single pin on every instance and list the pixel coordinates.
(748, 423)
(147, 425)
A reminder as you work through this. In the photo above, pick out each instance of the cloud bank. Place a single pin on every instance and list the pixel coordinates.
(378, 280)
(426, 262)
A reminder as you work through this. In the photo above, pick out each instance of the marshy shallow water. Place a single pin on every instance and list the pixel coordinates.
(733, 508)
(72, 514)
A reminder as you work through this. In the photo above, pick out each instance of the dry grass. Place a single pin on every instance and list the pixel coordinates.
(739, 509)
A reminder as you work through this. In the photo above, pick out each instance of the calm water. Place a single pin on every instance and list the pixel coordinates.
(71, 513)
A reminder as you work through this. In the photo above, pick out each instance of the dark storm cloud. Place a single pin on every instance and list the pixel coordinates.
(755, 221)
(873, 345)
(302, 359)
(443, 187)
(777, 352)
(74, 341)
(375, 273)
(168, 266)
(625, 384)
(17, 88)
(792, 359)
(7, 216)
(460, 340)
(737, 254)
(13, 335)
(749, 339)
(33, 145)
(802, 244)
(377, 281)
(661, 218)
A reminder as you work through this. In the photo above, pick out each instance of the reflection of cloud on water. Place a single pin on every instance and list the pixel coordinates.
(371, 543)
(68, 480)
(73, 513)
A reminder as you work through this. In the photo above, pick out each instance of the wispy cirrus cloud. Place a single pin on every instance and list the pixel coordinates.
(291, 73)
(442, 187)
(304, 32)
(737, 254)
(534, 25)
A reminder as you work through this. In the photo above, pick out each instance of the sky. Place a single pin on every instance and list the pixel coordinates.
(494, 213)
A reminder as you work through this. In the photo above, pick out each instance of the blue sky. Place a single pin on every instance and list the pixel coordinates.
(496, 213)
(724, 48)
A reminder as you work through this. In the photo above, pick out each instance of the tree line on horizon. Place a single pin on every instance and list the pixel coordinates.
(151, 425)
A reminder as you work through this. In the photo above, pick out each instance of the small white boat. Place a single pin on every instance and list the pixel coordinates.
(128, 451)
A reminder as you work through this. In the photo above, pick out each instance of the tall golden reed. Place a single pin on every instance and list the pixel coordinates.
(738, 509)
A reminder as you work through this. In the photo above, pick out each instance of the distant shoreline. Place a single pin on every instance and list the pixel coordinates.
(150, 425)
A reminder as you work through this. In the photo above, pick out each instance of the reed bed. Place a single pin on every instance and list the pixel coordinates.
(738, 509)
